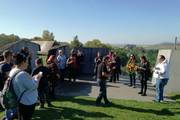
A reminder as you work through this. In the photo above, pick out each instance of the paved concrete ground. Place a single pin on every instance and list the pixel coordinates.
(119, 90)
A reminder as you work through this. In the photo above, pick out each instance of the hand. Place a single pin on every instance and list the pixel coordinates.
(37, 77)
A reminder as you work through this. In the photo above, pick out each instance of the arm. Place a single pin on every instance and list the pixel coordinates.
(27, 81)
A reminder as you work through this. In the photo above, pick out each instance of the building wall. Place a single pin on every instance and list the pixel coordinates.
(174, 81)
(87, 66)
(173, 57)
(33, 48)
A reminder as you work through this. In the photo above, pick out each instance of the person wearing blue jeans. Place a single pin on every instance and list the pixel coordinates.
(161, 70)
(160, 89)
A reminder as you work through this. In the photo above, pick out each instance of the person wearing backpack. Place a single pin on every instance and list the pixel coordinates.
(5, 67)
(25, 87)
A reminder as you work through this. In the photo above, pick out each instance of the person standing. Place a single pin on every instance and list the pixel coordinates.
(72, 66)
(43, 88)
(144, 71)
(5, 67)
(61, 62)
(161, 69)
(102, 76)
(97, 61)
(54, 74)
(131, 68)
(25, 87)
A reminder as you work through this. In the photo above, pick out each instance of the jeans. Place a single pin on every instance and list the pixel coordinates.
(102, 92)
(160, 83)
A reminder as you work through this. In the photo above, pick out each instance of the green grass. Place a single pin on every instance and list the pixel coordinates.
(83, 108)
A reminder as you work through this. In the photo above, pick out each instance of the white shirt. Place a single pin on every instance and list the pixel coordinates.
(161, 70)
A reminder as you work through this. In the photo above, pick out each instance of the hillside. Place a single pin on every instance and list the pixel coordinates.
(4, 42)
(161, 46)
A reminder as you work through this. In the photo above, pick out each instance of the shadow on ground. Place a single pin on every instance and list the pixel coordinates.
(163, 112)
(56, 113)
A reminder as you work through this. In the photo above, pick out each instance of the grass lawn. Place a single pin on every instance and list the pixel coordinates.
(83, 108)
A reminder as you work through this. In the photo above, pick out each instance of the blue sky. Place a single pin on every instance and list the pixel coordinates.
(111, 21)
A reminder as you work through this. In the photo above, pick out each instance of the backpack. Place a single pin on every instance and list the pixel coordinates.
(8, 96)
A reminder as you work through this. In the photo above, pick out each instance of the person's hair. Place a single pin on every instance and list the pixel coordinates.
(162, 57)
(20, 58)
(7, 53)
(144, 58)
(133, 56)
(39, 61)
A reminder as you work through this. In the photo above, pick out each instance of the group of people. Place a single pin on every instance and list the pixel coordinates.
(109, 67)
(142, 70)
(24, 85)
(114, 65)
(30, 84)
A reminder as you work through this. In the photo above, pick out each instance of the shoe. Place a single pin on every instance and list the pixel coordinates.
(139, 92)
(134, 86)
(98, 104)
(143, 95)
(108, 104)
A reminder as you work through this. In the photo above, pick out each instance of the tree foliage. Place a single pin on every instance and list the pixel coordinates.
(5, 39)
(47, 36)
(96, 43)
(76, 43)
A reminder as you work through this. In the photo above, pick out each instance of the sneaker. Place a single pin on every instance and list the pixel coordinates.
(134, 86)
(108, 104)
(139, 92)
(143, 95)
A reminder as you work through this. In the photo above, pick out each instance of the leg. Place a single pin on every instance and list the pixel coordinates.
(46, 91)
(26, 111)
(41, 97)
(104, 92)
(99, 98)
(164, 82)
(141, 79)
(130, 75)
(134, 79)
(158, 90)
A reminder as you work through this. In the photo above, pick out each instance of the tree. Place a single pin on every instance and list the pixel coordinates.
(47, 36)
(37, 39)
(76, 43)
(96, 43)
